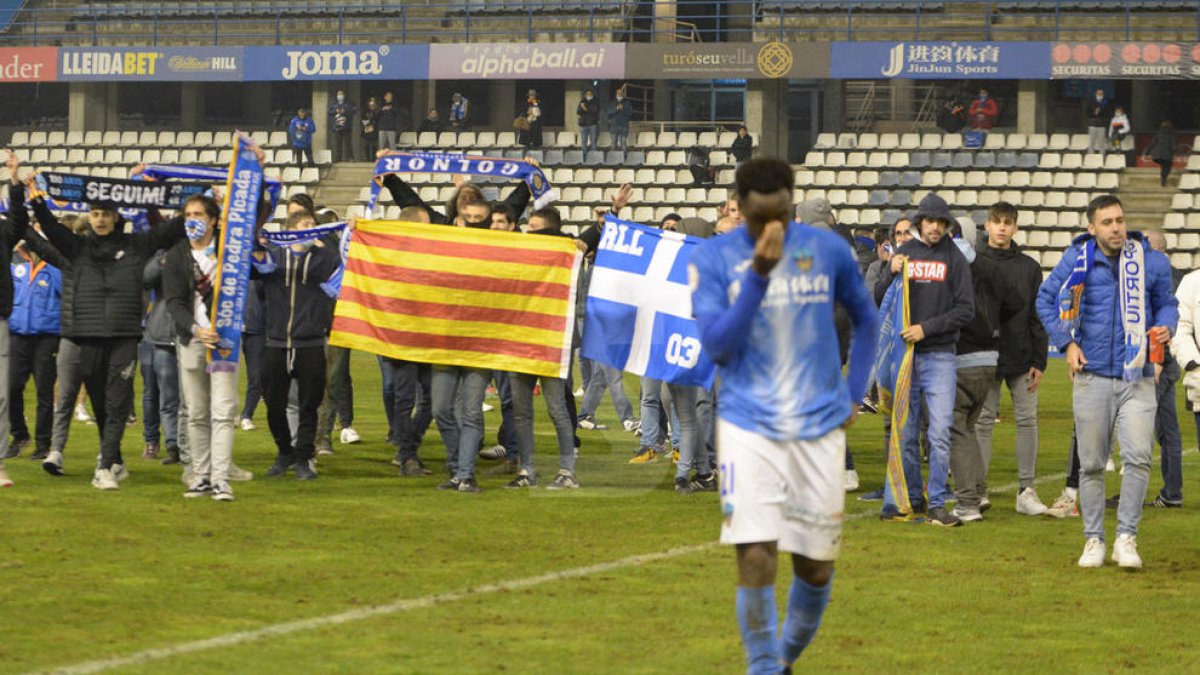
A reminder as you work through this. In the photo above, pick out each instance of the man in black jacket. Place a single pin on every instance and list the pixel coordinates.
(941, 303)
(298, 323)
(12, 230)
(102, 313)
(978, 352)
(589, 121)
(1023, 345)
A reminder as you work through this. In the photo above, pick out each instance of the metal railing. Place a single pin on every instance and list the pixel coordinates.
(75, 22)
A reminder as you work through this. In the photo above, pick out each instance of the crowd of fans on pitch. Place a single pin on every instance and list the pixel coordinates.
(88, 301)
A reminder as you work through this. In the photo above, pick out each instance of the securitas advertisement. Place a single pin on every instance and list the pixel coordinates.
(344, 62)
(1126, 61)
(28, 64)
(149, 64)
(941, 60)
(549, 61)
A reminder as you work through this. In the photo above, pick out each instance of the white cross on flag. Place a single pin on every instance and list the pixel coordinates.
(639, 306)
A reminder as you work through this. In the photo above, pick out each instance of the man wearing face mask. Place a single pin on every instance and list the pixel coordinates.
(1098, 111)
(589, 121)
(188, 274)
(619, 114)
(983, 111)
(102, 311)
(341, 115)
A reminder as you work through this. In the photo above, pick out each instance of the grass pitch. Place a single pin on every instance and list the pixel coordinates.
(476, 583)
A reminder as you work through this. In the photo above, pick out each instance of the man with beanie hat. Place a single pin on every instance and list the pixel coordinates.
(941, 302)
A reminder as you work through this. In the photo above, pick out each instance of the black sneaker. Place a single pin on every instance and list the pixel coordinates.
(938, 515)
(683, 486)
(523, 480)
(1160, 503)
(173, 456)
(277, 469)
(451, 484)
(1113, 501)
(40, 454)
(200, 488)
(868, 406)
(872, 496)
(15, 449)
(305, 470)
(413, 467)
(704, 483)
(468, 485)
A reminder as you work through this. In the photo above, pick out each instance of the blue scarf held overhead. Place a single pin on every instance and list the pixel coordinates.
(184, 172)
(432, 162)
(243, 190)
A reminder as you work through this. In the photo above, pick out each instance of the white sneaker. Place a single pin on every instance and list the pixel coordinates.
(631, 426)
(488, 407)
(494, 452)
(349, 436)
(1125, 552)
(1110, 466)
(5, 481)
(53, 464)
(1066, 506)
(1029, 504)
(238, 474)
(103, 479)
(851, 481)
(247, 424)
(82, 415)
(1093, 553)
(119, 472)
(222, 492)
(967, 515)
(578, 393)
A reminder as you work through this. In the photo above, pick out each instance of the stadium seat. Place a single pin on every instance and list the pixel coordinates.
(825, 141)
(984, 160)
(835, 159)
(1093, 162)
(1189, 182)
(707, 139)
(1079, 143)
(1006, 160)
(846, 141)
(1116, 162)
(975, 179)
(836, 196)
(910, 141)
(686, 139)
(207, 157)
(952, 142)
(856, 160)
(1055, 200)
(726, 138)
(1181, 202)
(814, 158)
(1016, 141)
(1027, 160)
(277, 139)
(888, 141)
(877, 160)
(994, 141)
(184, 139)
(1037, 142)
(867, 179)
(1050, 161)
(204, 139)
(1058, 142)
(868, 141)
(1072, 161)
(931, 142)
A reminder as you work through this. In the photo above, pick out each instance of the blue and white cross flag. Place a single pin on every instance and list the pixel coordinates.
(639, 306)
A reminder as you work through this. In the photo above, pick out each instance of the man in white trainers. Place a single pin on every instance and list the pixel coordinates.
(1108, 306)
(1023, 344)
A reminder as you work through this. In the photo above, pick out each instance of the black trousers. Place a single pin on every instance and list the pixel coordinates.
(1164, 170)
(300, 154)
(108, 366)
(32, 355)
(343, 148)
(279, 367)
(252, 349)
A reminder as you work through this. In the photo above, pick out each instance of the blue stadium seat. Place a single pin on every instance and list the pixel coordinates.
(1006, 160)
(941, 160)
(889, 179)
(919, 160)
(1027, 160)
(985, 160)
(910, 179)
(878, 198)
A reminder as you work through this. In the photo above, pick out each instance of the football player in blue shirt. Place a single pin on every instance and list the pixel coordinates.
(763, 296)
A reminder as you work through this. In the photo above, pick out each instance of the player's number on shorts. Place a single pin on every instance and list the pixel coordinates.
(683, 351)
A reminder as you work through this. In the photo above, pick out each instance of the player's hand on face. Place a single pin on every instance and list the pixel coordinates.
(898, 263)
(914, 333)
(769, 248)
(1075, 360)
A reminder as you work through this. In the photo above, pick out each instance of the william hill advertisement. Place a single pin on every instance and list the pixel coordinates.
(150, 64)
(733, 60)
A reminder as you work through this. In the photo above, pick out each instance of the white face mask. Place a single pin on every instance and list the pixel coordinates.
(341, 98)
(588, 97)
(1099, 97)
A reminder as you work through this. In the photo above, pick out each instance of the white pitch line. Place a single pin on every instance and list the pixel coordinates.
(240, 637)
(231, 639)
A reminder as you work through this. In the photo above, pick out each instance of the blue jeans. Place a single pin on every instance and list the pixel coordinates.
(654, 426)
(606, 377)
(556, 406)
(252, 349)
(160, 395)
(1105, 407)
(399, 399)
(587, 138)
(457, 395)
(933, 390)
(1166, 431)
(506, 435)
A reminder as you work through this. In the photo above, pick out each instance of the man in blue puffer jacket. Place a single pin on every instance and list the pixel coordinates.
(1105, 305)
(34, 325)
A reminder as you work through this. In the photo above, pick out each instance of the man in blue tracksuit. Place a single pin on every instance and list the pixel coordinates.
(34, 326)
(300, 133)
(1105, 306)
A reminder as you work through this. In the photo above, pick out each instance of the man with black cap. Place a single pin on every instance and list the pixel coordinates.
(101, 310)
(941, 302)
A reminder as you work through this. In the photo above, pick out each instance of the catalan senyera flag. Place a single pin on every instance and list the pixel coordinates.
(459, 297)
(893, 373)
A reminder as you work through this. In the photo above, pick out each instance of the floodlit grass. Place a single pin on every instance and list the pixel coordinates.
(86, 575)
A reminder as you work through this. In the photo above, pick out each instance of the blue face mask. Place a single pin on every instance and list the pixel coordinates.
(196, 228)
